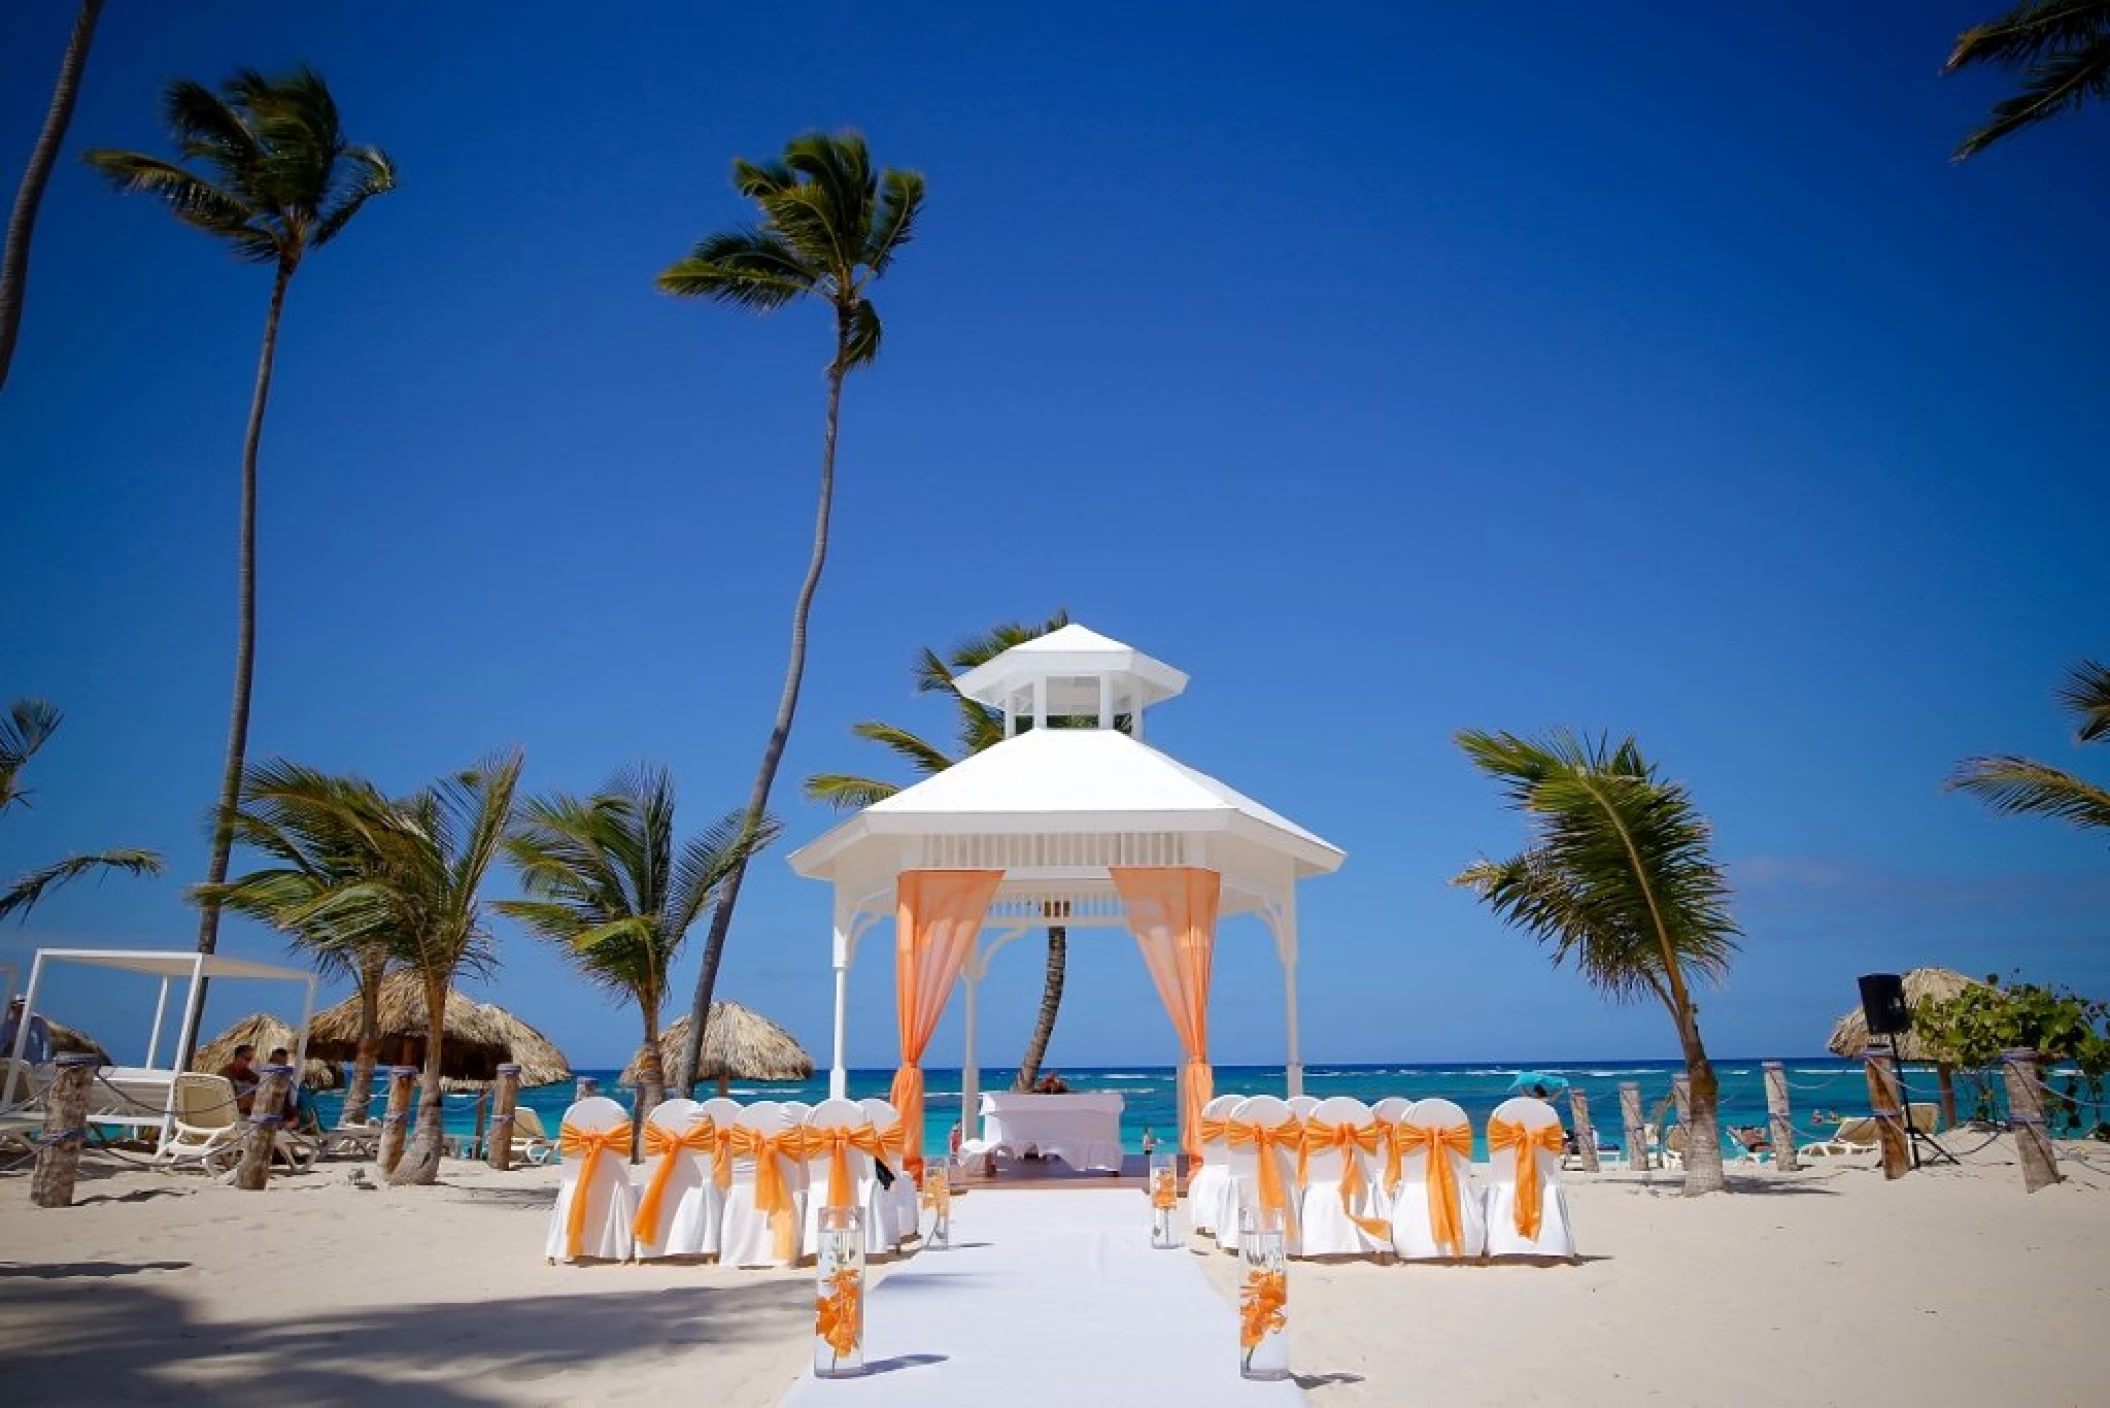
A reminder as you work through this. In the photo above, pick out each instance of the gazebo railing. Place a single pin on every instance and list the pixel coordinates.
(1082, 850)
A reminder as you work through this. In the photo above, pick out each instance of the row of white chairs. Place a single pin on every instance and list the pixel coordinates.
(1353, 1179)
(743, 1183)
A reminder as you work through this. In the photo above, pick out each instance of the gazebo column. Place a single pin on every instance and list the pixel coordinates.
(1284, 921)
(838, 1069)
(970, 1067)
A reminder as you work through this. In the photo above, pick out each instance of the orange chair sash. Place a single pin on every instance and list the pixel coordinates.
(772, 1193)
(1439, 1142)
(1213, 1131)
(1350, 1139)
(668, 1146)
(722, 1157)
(836, 1141)
(1265, 1140)
(587, 1146)
(1526, 1143)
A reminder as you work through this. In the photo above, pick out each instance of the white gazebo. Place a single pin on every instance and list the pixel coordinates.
(1081, 824)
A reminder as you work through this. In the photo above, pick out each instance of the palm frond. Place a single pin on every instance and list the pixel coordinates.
(927, 758)
(846, 793)
(748, 268)
(2021, 787)
(2051, 87)
(192, 199)
(28, 726)
(861, 345)
(2085, 694)
(2028, 32)
(900, 202)
(366, 172)
(23, 895)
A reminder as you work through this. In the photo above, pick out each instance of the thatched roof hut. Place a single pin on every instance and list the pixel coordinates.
(264, 1032)
(478, 1037)
(739, 1043)
(1850, 1033)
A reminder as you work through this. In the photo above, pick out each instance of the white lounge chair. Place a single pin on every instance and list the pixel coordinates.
(1856, 1135)
(531, 1141)
(205, 1123)
(1436, 1186)
(1524, 1148)
(595, 1141)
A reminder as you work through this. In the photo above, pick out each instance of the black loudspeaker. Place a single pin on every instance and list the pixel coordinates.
(1883, 1004)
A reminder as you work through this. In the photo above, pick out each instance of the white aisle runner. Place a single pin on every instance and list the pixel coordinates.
(1048, 1298)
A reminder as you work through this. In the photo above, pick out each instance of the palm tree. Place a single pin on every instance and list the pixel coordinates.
(830, 227)
(2020, 787)
(2061, 50)
(606, 885)
(281, 181)
(29, 197)
(28, 727)
(318, 833)
(977, 727)
(1617, 878)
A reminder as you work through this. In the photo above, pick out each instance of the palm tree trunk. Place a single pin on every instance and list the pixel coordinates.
(1050, 1004)
(421, 1162)
(359, 1093)
(1703, 1141)
(14, 260)
(244, 657)
(780, 732)
(651, 1082)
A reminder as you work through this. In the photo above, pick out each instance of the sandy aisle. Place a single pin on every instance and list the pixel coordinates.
(1947, 1287)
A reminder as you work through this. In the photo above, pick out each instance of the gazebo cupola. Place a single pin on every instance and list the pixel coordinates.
(1083, 825)
(1071, 673)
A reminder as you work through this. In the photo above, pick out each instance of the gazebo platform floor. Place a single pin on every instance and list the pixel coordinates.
(1042, 1174)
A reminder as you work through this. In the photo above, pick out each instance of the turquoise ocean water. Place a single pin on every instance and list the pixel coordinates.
(1817, 1085)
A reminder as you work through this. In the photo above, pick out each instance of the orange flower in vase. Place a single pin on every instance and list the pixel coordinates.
(1262, 1309)
(839, 1315)
(1164, 1190)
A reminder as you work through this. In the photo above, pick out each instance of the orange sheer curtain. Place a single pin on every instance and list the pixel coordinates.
(1173, 912)
(937, 914)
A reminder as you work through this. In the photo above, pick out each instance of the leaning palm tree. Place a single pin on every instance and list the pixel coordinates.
(2021, 787)
(316, 833)
(830, 227)
(608, 885)
(2060, 49)
(977, 726)
(279, 181)
(29, 197)
(1618, 879)
(27, 727)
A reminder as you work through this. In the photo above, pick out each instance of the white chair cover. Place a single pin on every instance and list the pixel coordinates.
(1209, 1197)
(864, 1187)
(1504, 1236)
(1413, 1226)
(1329, 1218)
(1302, 1105)
(799, 1112)
(749, 1237)
(688, 1201)
(1390, 1109)
(1266, 1113)
(723, 1113)
(900, 1211)
(610, 1201)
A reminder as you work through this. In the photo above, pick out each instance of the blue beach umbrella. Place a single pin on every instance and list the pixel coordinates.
(1527, 1079)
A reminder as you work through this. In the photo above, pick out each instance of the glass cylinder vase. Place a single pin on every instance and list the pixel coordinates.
(839, 1311)
(1164, 1200)
(1263, 1300)
(937, 1199)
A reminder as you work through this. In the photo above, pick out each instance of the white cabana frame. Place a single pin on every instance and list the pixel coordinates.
(138, 1084)
(1056, 809)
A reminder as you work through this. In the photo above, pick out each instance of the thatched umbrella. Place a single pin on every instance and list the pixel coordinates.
(478, 1037)
(1850, 1033)
(739, 1043)
(264, 1032)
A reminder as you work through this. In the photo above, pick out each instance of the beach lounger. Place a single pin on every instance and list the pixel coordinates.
(1343, 1210)
(1437, 1213)
(1671, 1155)
(1209, 1189)
(675, 1210)
(1857, 1134)
(1527, 1210)
(596, 1205)
(764, 1206)
(531, 1141)
(204, 1123)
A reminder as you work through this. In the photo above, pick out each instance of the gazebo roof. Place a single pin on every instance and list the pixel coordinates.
(1070, 659)
(1064, 781)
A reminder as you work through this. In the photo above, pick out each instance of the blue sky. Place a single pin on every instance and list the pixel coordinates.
(1390, 374)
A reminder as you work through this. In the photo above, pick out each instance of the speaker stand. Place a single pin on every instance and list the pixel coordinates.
(1912, 1131)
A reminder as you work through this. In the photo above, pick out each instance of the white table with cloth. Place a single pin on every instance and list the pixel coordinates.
(1083, 1129)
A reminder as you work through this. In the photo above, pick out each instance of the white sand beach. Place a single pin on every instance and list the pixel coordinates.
(1951, 1286)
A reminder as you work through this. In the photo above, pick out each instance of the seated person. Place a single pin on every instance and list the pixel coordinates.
(1753, 1137)
(241, 1070)
(36, 1046)
(1051, 1084)
(295, 1109)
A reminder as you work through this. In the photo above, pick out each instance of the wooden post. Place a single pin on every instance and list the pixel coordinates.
(1779, 1117)
(65, 1130)
(1946, 1074)
(267, 1114)
(1585, 1132)
(1883, 1103)
(2025, 1114)
(500, 1152)
(587, 1089)
(1681, 1099)
(1636, 1131)
(483, 1109)
(395, 1125)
